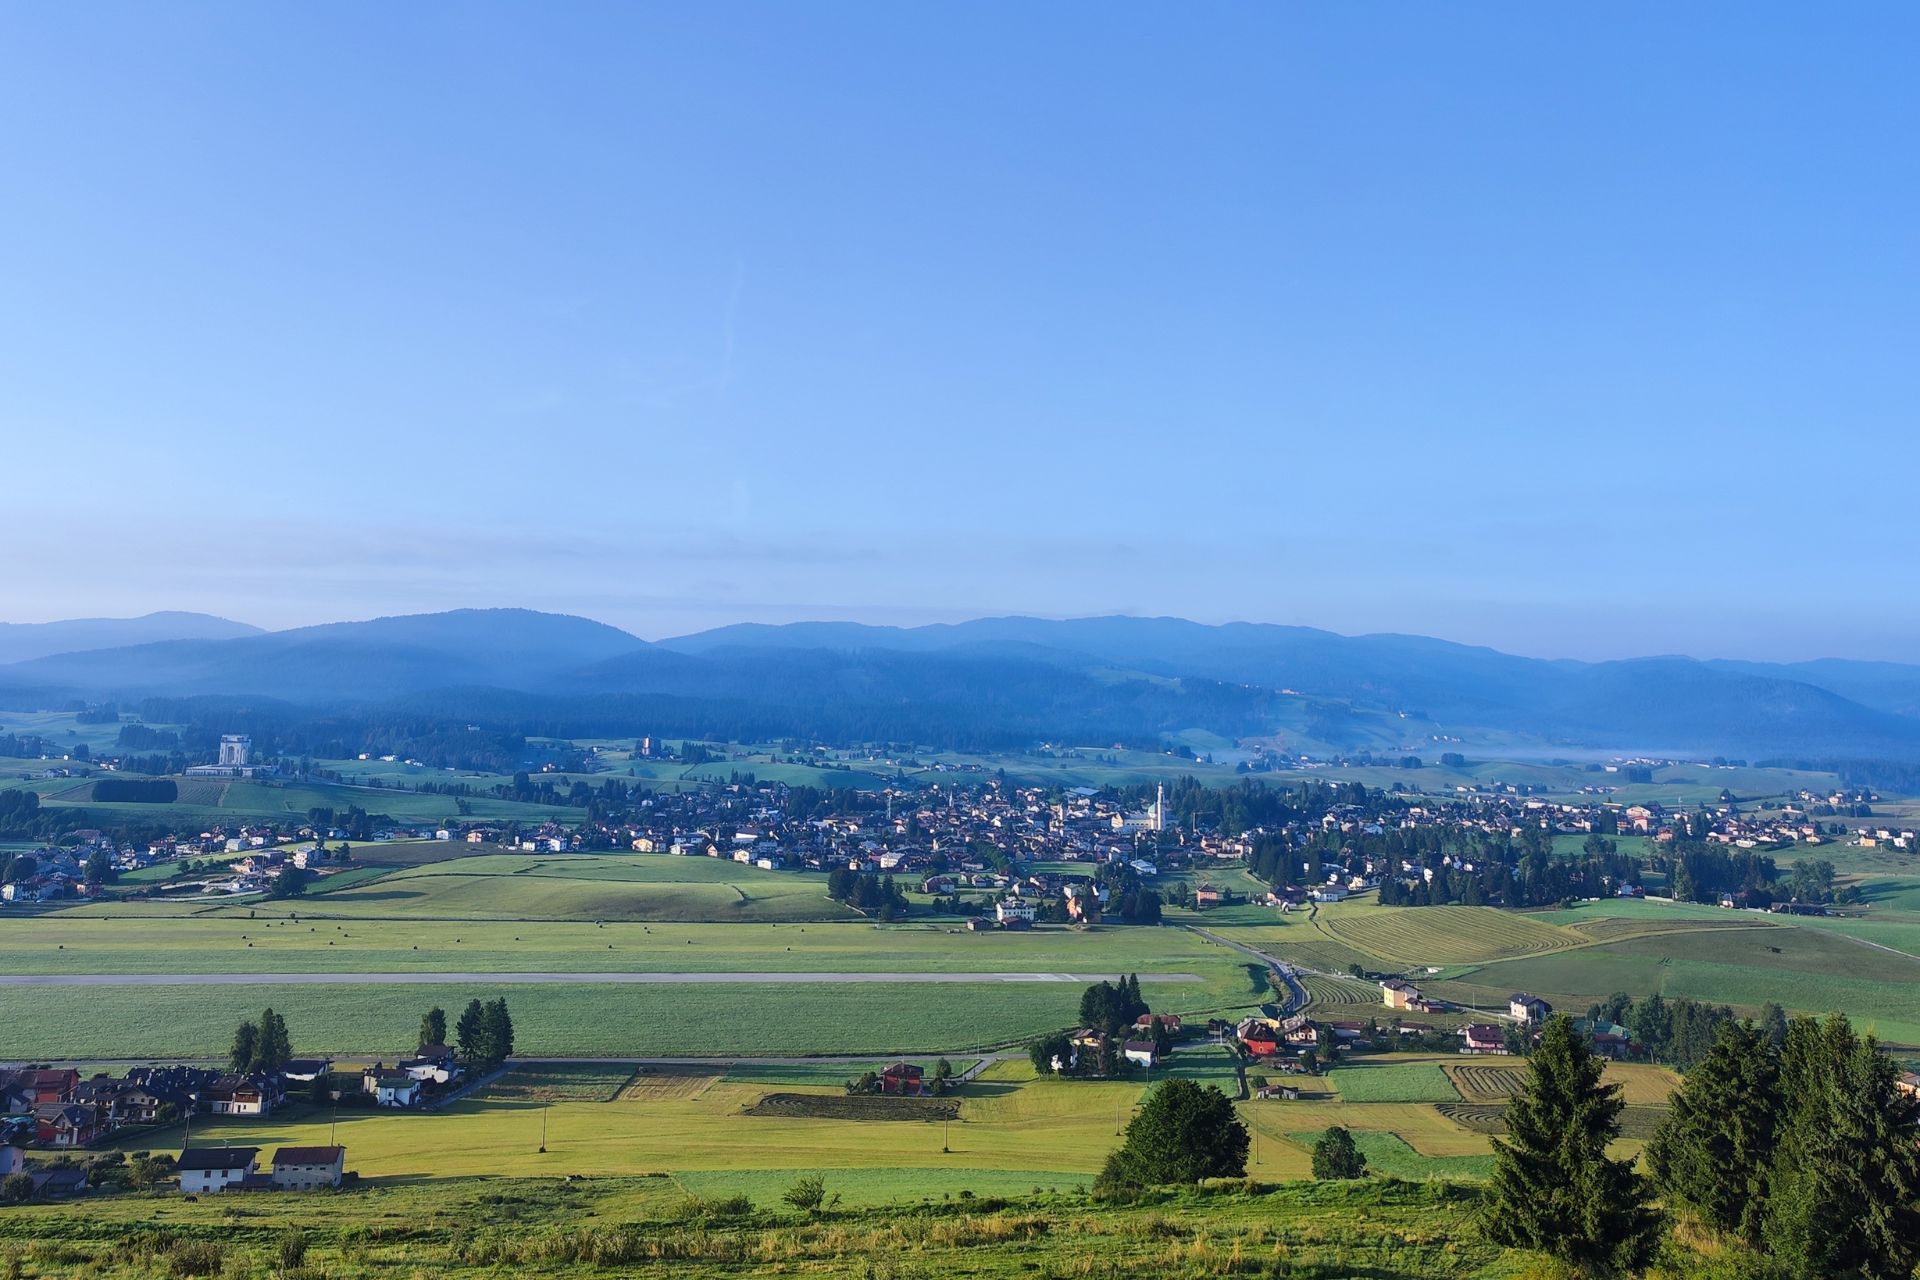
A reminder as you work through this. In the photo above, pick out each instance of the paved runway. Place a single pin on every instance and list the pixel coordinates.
(482, 979)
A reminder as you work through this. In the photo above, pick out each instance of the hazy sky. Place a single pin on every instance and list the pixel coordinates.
(1576, 339)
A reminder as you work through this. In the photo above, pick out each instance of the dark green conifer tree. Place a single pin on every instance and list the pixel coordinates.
(1845, 1181)
(1554, 1188)
(1713, 1152)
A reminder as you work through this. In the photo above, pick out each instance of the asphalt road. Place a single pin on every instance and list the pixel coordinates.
(1297, 997)
(483, 979)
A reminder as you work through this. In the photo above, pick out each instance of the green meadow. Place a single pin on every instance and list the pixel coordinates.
(565, 1020)
(1866, 966)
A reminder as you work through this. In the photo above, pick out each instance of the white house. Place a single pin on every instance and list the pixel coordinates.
(1527, 1008)
(308, 1168)
(432, 1064)
(12, 1160)
(396, 1089)
(1011, 909)
(207, 1169)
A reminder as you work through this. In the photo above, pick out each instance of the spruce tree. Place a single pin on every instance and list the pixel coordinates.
(1846, 1172)
(1683, 890)
(469, 1031)
(499, 1031)
(1773, 1022)
(1554, 1188)
(272, 1045)
(433, 1027)
(1713, 1152)
(245, 1038)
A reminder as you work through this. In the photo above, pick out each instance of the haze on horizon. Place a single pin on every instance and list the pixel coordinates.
(1493, 324)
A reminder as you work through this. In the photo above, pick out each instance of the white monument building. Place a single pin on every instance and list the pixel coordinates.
(236, 759)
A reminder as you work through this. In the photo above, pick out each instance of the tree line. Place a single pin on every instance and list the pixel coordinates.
(876, 895)
(1804, 1153)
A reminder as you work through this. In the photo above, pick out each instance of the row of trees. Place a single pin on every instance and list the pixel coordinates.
(877, 895)
(483, 1034)
(1679, 1032)
(1806, 1156)
(1806, 1152)
(1110, 1007)
(262, 1046)
(1701, 872)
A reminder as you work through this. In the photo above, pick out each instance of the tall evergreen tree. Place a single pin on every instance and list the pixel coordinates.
(1846, 1173)
(1773, 1023)
(469, 1032)
(246, 1037)
(499, 1031)
(1713, 1152)
(433, 1026)
(1553, 1188)
(274, 1046)
(1135, 1004)
(1683, 888)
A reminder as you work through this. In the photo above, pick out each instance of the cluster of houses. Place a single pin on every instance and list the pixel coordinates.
(967, 837)
(58, 873)
(1138, 1048)
(1282, 1044)
(264, 851)
(58, 1108)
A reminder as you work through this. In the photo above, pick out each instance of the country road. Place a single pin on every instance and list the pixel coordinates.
(521, 978)
(1297, 998)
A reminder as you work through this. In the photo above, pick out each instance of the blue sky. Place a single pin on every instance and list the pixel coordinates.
(1583, 338)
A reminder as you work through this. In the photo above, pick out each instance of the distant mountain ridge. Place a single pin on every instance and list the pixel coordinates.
(1023, 678)
(345, 661)
(23, 641)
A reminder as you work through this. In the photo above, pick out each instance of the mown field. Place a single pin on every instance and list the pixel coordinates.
(1440, 935)
(1366, 1081)
(573, 1020)
(205, 800)
(591, 887)
(1867, 966)
(443, 910)
(308, 936)
(1805, 969)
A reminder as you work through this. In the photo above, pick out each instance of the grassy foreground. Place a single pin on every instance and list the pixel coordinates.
(479, 1227)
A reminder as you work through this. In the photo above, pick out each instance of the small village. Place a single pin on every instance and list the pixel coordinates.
(58, 1111)
(983, 838)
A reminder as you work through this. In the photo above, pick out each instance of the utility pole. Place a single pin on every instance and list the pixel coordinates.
(543, 1126)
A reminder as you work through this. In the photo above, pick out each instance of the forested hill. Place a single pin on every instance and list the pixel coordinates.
(23, 641)
(1005, 681)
